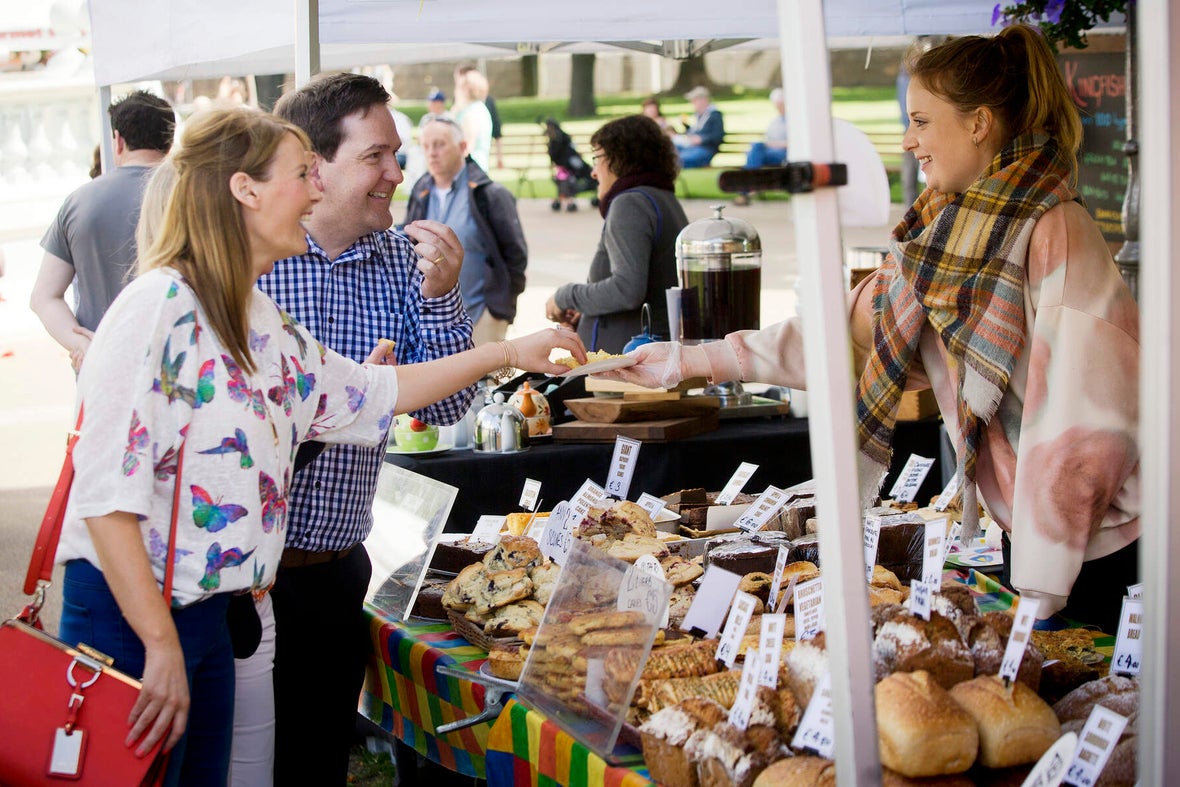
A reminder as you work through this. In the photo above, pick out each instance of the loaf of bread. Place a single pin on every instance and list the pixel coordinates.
(798, 772)
(921, 731)
(1120, 695)
(905, 643)
(1015, 725)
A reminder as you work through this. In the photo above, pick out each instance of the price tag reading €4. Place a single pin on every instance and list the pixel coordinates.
(816, 731)
(761, 510)
(777, 580)
(809, 608)
(1026, 616)
(935, 555)
(558, 536)
(529, 495)
(735, 627)
(770, 647)
(1128, 646)
(743, 704)
(736, 483)
(872, 535)
(645, 589)
(905, 489)
(1097, 740)
(622, 467)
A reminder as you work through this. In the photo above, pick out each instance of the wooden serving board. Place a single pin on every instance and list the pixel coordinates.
(597, 409)
(659, 431)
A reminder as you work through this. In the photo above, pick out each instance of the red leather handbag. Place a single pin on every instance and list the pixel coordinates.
(66, 709)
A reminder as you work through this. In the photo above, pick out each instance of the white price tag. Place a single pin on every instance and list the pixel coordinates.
(1128, 646)
(787, 594)
(622, 467)
(537, 528)
(1026, 616)
(809, 608)
(1097, 740)
(558, 536)
(935, 555)
(528, 497)
(1135, 591)
(761, 510)
(487, 529)
(770, 647)
(736, 483)
(651, 504)
(711, 602)
(872, 535)
(735, 628)
(952, 538)
(948, 493)
(589, 494)
(644, 588)
(905, 489)
(743, 704)
(920, 600)
(1051, 768)
(779, 564)
(816, 731)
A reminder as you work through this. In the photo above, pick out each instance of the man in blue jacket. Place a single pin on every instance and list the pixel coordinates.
(699, 143)
(457, 193)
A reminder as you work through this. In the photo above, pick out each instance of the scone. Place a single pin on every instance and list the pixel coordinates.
(510, 619)
(500, 588)
(513, 552)
(544, 579)
(462, 590)
(680, 571)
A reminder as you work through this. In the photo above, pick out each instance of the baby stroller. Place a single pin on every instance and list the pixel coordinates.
(571, 173)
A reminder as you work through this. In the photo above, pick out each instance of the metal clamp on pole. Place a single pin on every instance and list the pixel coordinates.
(794, 177)
(495, 689)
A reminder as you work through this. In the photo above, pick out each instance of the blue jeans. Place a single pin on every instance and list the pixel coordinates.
(762, 155)
(90, 614)
(695, 156)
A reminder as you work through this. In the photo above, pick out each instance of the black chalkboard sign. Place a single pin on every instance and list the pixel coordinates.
(1098, 83)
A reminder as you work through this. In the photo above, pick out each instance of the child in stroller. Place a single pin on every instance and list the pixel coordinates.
(571, 173)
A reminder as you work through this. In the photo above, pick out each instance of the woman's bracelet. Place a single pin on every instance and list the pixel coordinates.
(509, 366)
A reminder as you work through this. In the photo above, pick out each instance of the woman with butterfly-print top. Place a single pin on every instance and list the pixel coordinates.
(196, 381)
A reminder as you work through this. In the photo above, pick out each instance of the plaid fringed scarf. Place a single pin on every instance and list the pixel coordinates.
(958, 262)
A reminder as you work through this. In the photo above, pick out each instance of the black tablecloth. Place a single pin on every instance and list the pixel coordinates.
(492, 483)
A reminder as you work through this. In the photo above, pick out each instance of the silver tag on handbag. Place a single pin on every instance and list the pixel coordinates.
(66, 758)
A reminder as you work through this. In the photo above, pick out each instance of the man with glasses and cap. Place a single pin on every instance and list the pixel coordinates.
(699, 143)
(456, 192)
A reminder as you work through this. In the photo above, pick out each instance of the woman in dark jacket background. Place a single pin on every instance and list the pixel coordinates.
(635, 165)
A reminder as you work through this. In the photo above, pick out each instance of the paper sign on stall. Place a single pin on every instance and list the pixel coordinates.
(644, 589)
(1128, 646)
(653, 505)
(761, 510)
(743, 704)
(948, 493)
(1051, 768)
(487, 528)
(787, 594)
(779, 564)
(935, 554)
(770, 647)
(735, 484)
(622, 467)
(872, 535)
(1135, 591)
(735, 628)
(558, 535)
(905, 489)
(952, 538)
(711, 602)
(1026, 616)
(1098, 738)
(920, 599)
(809, 608)
(588, 495)
(817, 731)
(529, 495)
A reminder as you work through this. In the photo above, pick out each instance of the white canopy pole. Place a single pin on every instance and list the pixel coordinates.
(307, 40)
(827, 350)
(107, 144)
(1159, 368)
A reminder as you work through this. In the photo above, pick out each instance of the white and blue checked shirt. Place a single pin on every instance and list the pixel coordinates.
(371, 291)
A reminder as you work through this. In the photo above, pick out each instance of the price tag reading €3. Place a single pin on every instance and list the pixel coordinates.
(1128, 646)
(528, 496)
(770, 647)
(1026, 616)
(935, 555)
(1103, 729)
(809, 608)
(743, 704)
(816, 731)
(761, 510)
(558, 536)
(735, 627)
(736, 483)
(645, 589)
(622, 467)
(905, 489)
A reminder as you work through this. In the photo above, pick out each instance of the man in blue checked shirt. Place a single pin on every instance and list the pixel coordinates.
(359, 282)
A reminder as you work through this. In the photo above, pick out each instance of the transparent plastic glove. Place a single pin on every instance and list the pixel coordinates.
(662, 365)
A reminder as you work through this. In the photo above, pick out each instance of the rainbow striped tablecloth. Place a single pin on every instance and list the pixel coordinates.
(524, 748)
(405, 694)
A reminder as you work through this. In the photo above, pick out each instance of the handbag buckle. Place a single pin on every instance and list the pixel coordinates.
(86, 662)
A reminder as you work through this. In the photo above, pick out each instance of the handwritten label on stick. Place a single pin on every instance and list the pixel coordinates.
(816, 731)
(761, 510)
(1026, 616)
(735, 627)
(770, 647)
(1098, 738)
(529, 495)
(1128, 646)
(809, 608)
(711, 602)
(872, 535)
(622, 466)
(558, 536)
(743, 705)
(736, 483)
(935, 555)
(644, 588)
(905, 489)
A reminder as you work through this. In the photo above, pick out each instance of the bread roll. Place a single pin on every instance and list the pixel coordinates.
(1015, 725)
(920, 729)
(798, 772)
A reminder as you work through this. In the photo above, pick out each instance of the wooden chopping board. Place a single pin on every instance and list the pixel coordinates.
(597, 409)
(658, 431)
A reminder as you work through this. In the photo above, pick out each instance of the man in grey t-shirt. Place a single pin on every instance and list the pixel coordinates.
(91, 243)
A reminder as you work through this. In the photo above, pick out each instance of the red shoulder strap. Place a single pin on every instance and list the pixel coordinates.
(41, 563)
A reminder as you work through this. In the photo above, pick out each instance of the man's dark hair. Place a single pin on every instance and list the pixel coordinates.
(320, 106)
(144, 121)
(635, 144)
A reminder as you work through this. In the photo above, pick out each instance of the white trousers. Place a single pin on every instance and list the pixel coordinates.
(252, 760)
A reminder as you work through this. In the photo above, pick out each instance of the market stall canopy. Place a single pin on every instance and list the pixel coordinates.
(178, 39)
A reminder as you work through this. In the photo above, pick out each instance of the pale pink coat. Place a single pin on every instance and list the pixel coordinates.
(1058, 465)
